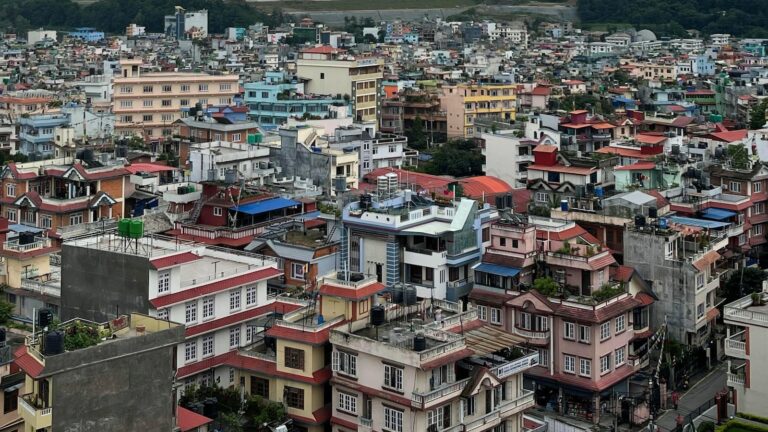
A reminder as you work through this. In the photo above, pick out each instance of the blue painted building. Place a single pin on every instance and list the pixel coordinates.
(36, 133)
(87, 34)
(274, 100)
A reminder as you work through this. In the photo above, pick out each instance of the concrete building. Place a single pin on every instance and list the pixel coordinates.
(404, 238)
(137, 358)
(746, 330)
(148, 104)
(133, 30)
(87, 34)
(35, 36)
(12, 384)
(221, 160)
(681, 259)
(448, 371)
(463, 103)
(332, 71)
(36, 133)
(375, 150)
(187, 25)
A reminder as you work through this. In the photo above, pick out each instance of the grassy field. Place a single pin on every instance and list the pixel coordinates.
(342, 5)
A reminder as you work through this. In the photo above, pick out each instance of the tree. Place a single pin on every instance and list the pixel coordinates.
(738, 155)
(744, 282)
(417, 138)
(546, 286)
(458, 158)
(757, 116)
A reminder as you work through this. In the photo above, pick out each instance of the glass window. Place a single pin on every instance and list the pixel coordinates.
(234, 300)
(163, 282)
(294, 397)
(569, 330)
(234, 337)
(620, 323)
(584, 333)
(393, 419)
(605, 363)
(569, 364)
(190, 312)
(190, 351)
(347, 403)
(250, 295)
(585, 367)
(619, 354)
(345, 363)
(207, 345)
(209, 307)
(605, 330)
(294, 358)
(393, 377)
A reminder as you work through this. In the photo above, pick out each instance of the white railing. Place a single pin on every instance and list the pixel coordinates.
(738, 310)
(27, 407)
(459, 283)
(365, 422)
(528, 334)
(312, 327)
(516, 366)
(735, 348)
(504, 409)
(421, 400)
(442, 349)
(735, 379)
(14, 245)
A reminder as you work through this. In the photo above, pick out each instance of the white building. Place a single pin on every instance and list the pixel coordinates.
(35, 36)
(720, 39)
(228, 161)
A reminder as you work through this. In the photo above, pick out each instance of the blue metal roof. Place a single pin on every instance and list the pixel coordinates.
(703, 223)
(497, 269)
(717, 214)
(264, 206)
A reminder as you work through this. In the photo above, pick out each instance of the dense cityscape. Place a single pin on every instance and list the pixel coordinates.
(241, 218)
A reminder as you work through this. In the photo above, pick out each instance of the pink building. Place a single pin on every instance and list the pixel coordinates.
(588, 325)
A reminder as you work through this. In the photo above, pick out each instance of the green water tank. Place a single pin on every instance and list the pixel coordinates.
(123, 227)
(137, 229)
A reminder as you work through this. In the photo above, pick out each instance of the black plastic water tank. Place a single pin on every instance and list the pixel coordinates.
(44, 317)
(653, 212)
(639, 221)
(419, 342)
(378, 315)
(409, 296)
(54, 343)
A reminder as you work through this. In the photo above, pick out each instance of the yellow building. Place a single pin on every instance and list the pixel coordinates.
(147, 104)
(331, 71)
(464, 103)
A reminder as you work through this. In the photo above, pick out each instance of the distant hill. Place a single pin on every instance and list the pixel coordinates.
(112, 16)
(742, 18)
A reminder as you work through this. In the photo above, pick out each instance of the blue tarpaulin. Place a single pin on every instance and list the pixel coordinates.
(497, 269)
(265, 206)
(717, 214)
(703, 223)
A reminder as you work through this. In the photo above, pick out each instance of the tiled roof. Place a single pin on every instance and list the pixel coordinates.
(308, 337)
(636, 166)
(27, 362)
(477, 187)
(562, 169)
(216, 286)
(188, 420)
(596, 316)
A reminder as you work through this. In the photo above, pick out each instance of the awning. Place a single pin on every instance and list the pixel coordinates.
(265, 206)
(717, 214)
(496, 269)
(703, 223)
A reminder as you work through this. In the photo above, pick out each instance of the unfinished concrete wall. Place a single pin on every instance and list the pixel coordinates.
(99, 285)
(296, 160)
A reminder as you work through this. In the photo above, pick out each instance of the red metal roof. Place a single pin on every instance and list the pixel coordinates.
(729, 136)
(562, 169)
(308, 337)
(188, 420)
(545, 148)
(707, 260)
(213, 287)
(27, 362)
(173, 260)
(350, 292)
(637, 166)
(650, 139)
(622, 273)
(477, 187)
(148, 168)
(644, 298)
(239, 317)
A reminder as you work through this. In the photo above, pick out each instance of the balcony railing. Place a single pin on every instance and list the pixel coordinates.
(422, 400)
(14, 245)
(529, 334)
(735, 379)
(34, 405)
(504, 409)
(459, 283)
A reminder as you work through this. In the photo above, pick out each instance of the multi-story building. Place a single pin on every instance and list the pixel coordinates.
(274, 100)
(187, 25)
(586, 332)
(440, 370)
(746, 320)
(375, 150)
(404, 238)
(62, 192)
(12, 382)
(36, 133)
(463, 103)
(148, 104)
(403, 111)
(680, 255)
(222, 160)
(137, 357)
(332, 71)
(16, 105)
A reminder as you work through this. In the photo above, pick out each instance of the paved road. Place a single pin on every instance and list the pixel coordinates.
(702, 391)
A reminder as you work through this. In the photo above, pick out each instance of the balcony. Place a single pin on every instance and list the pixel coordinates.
(516, 366)
(745, 312)
(364, 424)
(736, 346)
(458, 284)
(735, 230)
(15, 246)
(501, 412)
(33, 412)
(529, 334)
(736, 379)
(439, 395)
(182, 195)
(424, 257)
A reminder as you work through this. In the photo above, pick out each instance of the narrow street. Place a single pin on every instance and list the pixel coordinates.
(702, 391)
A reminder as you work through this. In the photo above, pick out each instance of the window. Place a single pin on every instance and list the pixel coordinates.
(584, 333)
(620, 323)
(190, 312)
(569, 364)
(569, 330)
(218, 211)
(234, 300)
(543, 357)
(10, 401)
(76, 219)
(347, 403)
(207, 345)
(184, 102)
(439, 417)
(209, 307)
(260, 387)
(393, 377)
(322, 75)
(203, 87)
(297, 271)
(758, 208)
(294, 397)
(393, 419)
(10, 189)
(605, 330)
(162, 314)
(469, 406)
(165, 102)
(525, 321)
(126, 104)
(163, 282)
(167, 117)
(126, 89)
(496, 316)
(700, 310)
(231, 375)
(757, 187)
(542, 323)
(225, 87)
(585, 367)
(148, 103)
(294, 358)
(148, 89)
(541, 197)
(185, 87)
(147, 117)
(502, 242)
(344, 362)
(250, 295)
(167, 88)
(605, 364)
(482, 312)
(190, 351)
(757, 230)
(700, 280)
(734, 186)
(234, 337)
(619, 356)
